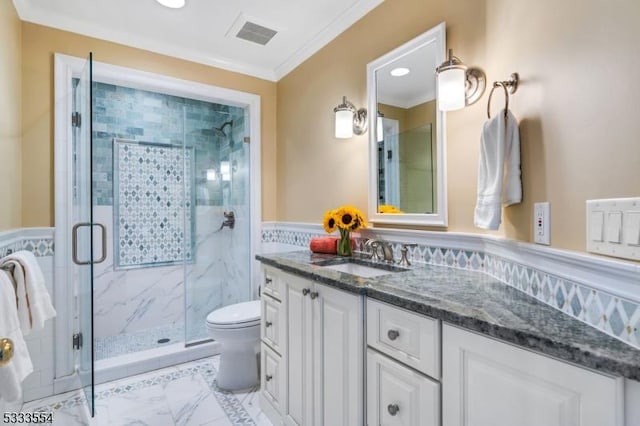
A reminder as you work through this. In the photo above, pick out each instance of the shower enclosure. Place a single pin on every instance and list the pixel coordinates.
(166, 169)
(162, 209)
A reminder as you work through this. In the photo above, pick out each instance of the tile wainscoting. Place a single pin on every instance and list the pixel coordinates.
(40, 343)
(601, 292)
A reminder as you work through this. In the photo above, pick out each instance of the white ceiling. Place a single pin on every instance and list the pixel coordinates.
(198, 32)
(413, 89)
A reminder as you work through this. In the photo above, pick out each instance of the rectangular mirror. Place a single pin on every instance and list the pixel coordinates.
(407, 153)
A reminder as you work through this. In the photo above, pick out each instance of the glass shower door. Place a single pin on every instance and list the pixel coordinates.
(82, 231)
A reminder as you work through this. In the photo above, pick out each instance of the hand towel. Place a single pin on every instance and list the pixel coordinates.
(327, 245)
(33, 300)
(20, 366)
(498, 170)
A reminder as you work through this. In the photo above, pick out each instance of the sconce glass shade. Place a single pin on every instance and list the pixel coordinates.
(211, 174)
(172, 4)
(349, 120)
(379, 128)
(344, 123)
(458, 86)
(451, 89)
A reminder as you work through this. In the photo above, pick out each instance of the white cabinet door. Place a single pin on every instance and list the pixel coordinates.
(398, 395)
(272, 322)
(338, 347)
(489, 383)
(298, 409)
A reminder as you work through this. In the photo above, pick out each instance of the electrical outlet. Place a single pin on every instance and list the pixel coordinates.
(541, 234)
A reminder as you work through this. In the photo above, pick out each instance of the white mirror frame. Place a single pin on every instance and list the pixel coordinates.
(439, 218)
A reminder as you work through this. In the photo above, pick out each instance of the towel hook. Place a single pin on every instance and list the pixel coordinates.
(509, 86)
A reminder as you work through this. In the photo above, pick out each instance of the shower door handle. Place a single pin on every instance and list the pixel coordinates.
(74, 244)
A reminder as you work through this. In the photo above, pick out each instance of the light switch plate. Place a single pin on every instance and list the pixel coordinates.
(613, 227)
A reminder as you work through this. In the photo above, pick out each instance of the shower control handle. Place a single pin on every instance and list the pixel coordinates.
(268, 377)
(314, 295)
(305, 291)
(268, 324)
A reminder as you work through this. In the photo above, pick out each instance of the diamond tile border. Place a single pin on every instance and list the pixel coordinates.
(614, 315)
(40, 247)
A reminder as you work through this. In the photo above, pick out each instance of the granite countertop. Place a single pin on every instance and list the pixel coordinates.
(477, 302)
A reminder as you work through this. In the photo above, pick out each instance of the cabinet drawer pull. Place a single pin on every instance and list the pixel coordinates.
(268, 377)
(314, 295)
(393, 409)
(268, 324)
(267, 281)
(393, 334)
(305, 291)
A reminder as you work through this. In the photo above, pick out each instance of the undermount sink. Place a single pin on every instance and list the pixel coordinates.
(362, 270)
(359, 270)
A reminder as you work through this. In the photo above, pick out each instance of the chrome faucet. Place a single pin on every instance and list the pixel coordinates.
(375, 246)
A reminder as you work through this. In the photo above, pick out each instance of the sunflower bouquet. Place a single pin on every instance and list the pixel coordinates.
(388, 208)
(345, 219)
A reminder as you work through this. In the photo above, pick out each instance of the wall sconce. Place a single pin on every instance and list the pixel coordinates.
(379, 127)
(458, 85)
(212, 174)
(349, 120)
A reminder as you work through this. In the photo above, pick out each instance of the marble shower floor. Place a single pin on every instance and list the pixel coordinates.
(185, 394)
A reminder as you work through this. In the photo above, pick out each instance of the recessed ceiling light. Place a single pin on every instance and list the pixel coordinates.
(173, 4)
(399, 72)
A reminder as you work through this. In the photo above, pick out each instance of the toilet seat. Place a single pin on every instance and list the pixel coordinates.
(240, 315)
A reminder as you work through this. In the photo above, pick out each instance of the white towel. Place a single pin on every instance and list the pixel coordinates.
(34, 302)
(498, 170)
(20, 366)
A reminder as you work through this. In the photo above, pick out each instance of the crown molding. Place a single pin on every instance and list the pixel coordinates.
(337, 27)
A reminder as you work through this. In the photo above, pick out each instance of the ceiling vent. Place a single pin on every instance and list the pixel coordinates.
(248, 29)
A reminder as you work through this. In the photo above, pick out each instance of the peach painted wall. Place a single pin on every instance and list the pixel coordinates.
(10, 116)
(577, 107)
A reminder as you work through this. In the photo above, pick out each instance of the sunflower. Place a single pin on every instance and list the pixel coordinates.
(329, 222)
(349, 218)
(388, 208)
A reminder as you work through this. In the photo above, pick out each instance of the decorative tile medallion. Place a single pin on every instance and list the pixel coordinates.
(153, 209)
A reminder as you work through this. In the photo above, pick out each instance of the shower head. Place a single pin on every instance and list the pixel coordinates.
(219, 131)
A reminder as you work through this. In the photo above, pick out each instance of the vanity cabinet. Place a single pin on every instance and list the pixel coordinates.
(321, 354)
(487, 382)
(403, 367)
(397, 395)
(272, 335)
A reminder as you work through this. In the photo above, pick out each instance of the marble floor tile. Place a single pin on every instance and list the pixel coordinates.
(192, 402)
(181, 395)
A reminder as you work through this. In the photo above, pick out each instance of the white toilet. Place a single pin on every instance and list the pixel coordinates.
(237, 329)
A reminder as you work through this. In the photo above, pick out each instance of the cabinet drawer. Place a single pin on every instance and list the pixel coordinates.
(272, 283)
(272, 324)
(272, 380)
(397, 395)
(408, 337)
